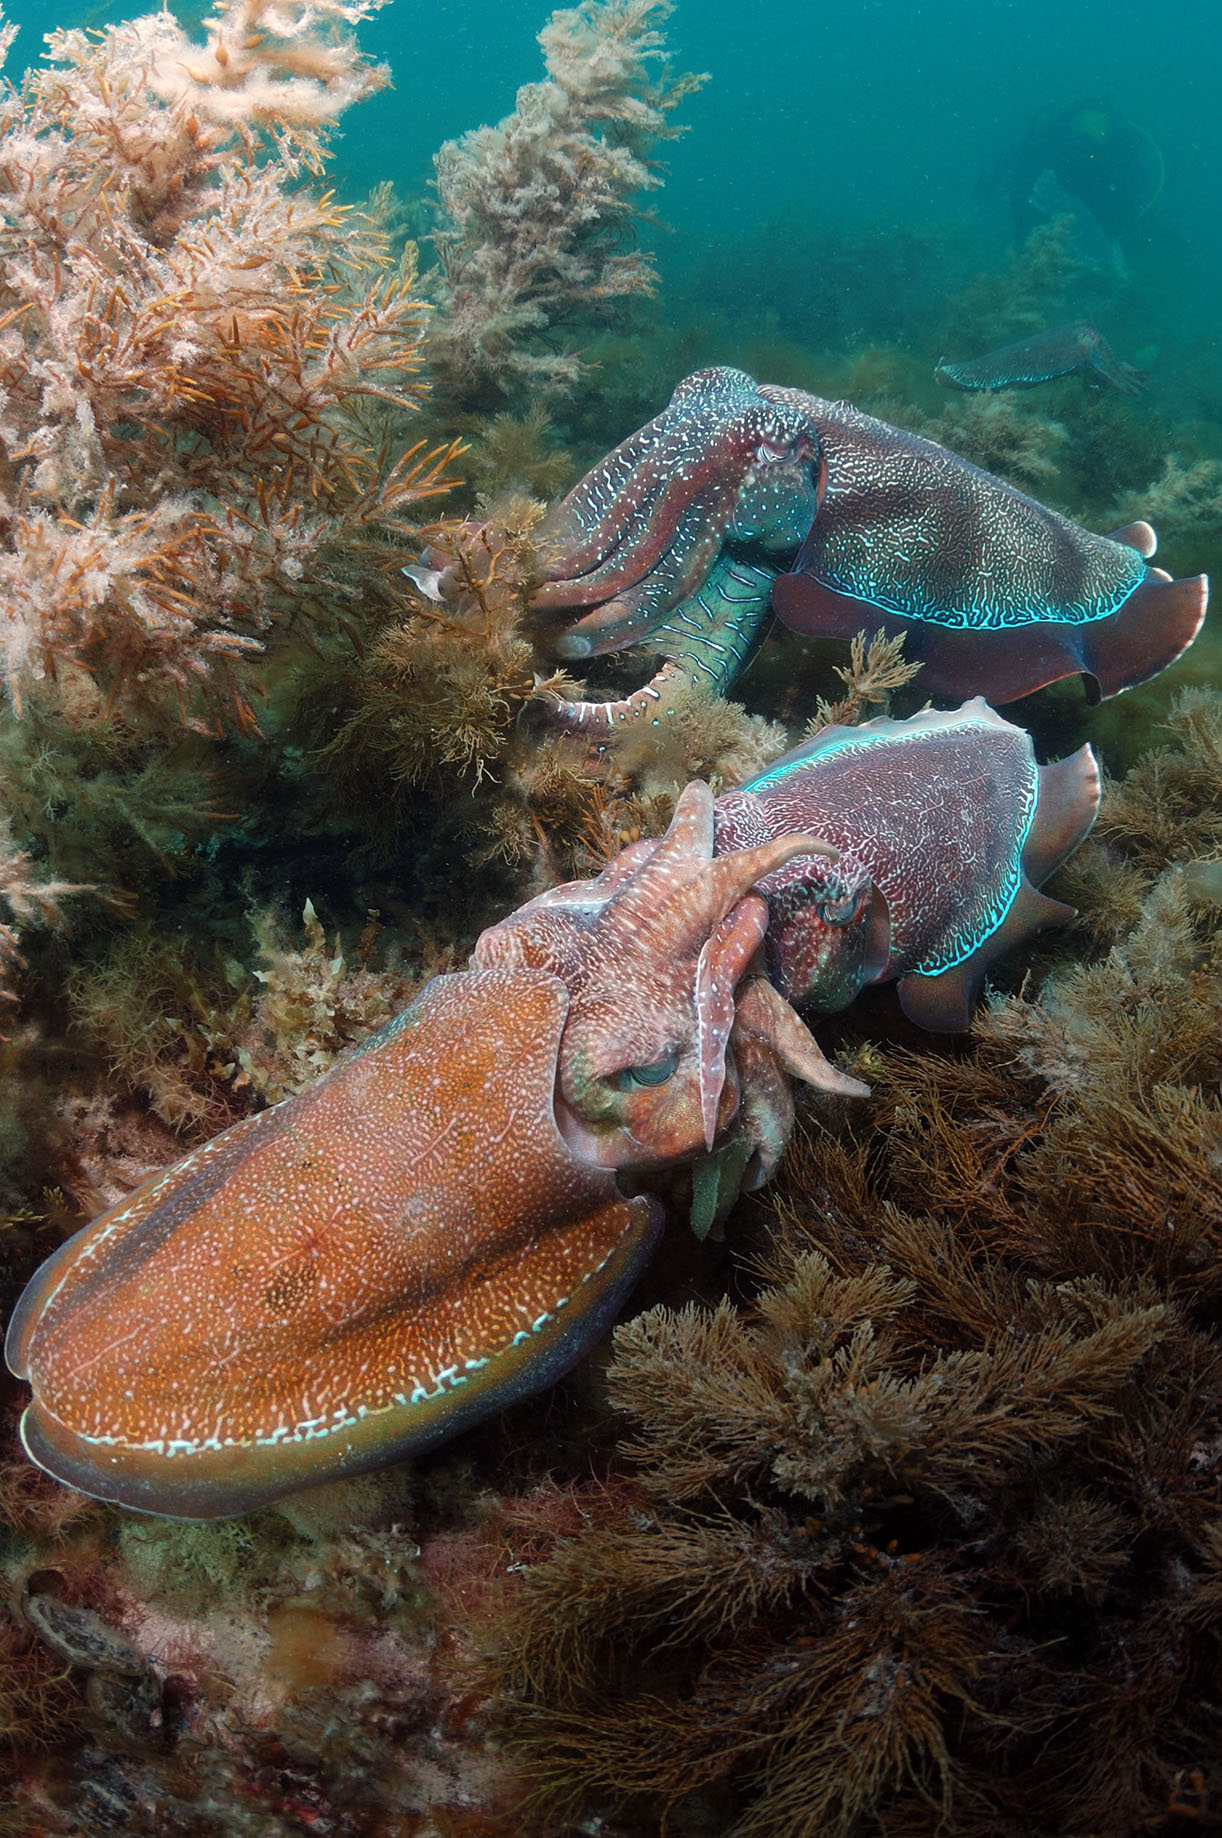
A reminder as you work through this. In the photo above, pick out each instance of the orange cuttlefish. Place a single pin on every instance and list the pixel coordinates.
(449, 1218)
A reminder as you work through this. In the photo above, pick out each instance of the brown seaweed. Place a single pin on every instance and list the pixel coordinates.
(925, 1535)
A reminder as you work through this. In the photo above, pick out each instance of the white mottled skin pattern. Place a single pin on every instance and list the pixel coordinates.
(649, 541)
(678, 537)
(433, 1227)
(933, 813)
(436, 1227)
(321, 1272)
(907, 526)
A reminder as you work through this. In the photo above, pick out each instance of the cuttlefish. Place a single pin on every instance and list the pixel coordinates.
(743, 499)
(448, 1219)
(1078, 348)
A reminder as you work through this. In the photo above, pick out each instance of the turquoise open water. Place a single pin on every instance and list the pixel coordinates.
(882, 111)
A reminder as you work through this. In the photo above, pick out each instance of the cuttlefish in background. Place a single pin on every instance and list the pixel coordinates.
(1078, 348)
(742, 499)
(447, 1220)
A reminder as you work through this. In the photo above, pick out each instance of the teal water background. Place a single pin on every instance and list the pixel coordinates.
(868, 113)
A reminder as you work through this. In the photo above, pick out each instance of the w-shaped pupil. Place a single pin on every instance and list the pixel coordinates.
(655, 1074)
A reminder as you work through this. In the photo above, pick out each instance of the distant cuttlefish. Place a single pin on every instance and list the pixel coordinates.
(1068, 349)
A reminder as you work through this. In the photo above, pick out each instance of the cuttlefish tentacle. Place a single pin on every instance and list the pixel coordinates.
(640, 534)
(652, 702)
(707, 641)
(652, 958)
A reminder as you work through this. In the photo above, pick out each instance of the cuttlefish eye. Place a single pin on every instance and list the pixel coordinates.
(629, 1078)
(784, 446)
(842, 908)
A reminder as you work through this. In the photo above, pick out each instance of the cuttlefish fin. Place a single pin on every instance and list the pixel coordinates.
(1156, 624)
(1140, 536)
(1068, 805)
(1146, 633)
(943, 1002)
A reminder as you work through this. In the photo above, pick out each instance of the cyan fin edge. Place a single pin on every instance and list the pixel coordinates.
(943, 1003)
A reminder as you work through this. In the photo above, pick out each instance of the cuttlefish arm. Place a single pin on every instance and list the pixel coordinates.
(639, 535)
(1064, 351)
(708, 640)
(654, 953)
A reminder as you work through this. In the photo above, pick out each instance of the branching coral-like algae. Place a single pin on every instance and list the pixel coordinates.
(208, 466)
(188, 348)
(533, 211)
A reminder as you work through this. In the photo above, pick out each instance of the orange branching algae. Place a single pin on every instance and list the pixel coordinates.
(190, 347)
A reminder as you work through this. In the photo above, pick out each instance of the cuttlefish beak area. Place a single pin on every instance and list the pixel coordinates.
(367, 1268)
(653, 953)
(641, 532)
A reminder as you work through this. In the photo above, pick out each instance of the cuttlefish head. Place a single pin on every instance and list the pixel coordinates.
(654, 954)
(642, 531)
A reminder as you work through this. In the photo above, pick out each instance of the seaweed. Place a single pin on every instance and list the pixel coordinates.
(701, 736)
(532, 212)
(913, 1521)
(515, 454)
(191, 341)
(999, 434)
(439, 694)
(924, 1533)
(872, 675)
